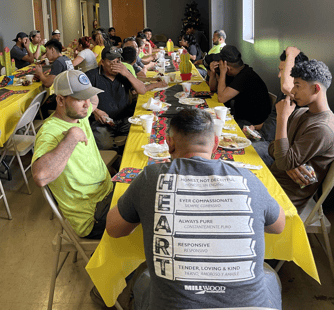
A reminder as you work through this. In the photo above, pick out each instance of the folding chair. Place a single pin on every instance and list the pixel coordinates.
(3, 195)
(66, 240)
(40, 98)
(315, 220)
(19, 145)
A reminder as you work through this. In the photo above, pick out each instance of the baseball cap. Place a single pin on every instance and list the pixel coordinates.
(230, 53)
(110, 53)
(33, 33)
(55, 32)
(20, 35)
(76, 84)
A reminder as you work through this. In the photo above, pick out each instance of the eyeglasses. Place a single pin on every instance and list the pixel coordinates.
(115, 49)
(133, 38)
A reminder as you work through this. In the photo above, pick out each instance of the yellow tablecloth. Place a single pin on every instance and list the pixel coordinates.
(114, 259)
(12, 108)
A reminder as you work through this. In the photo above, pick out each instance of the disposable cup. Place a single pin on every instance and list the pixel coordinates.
(29, 77)
(166, 79)
(172, 77)
(173, 56)
(218, 126)
(221, 113)
(147, 122)
(186, 87)
(180, 50)
(162, 48)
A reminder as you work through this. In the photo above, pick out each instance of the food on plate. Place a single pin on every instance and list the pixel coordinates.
(229, 142)
(26, 83)
(163, 154)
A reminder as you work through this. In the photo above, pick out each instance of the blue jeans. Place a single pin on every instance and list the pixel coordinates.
(261, 147)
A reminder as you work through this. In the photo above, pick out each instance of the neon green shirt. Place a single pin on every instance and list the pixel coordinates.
(130, 68)
(216, 48)
(85, 180)
(33, 49)
(141, 54)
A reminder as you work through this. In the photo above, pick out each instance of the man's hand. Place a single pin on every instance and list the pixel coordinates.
(100, 116)
(284, 108)
(161, 84)
(119, 68)
(77, 134)
(297, 175)
(223, 67)
(39, 70)
(213, 66)
(292, 51)
(26, 43)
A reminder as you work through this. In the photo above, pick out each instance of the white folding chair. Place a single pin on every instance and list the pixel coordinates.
(3, 196)
(19, 145)
(40, 98)
(315, 220)
(66, 240)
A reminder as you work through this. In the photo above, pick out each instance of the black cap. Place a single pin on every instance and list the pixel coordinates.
(230, 53)
(20, 35)
(111, 53)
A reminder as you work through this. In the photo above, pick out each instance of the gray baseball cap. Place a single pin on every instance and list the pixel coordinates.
(76, 84)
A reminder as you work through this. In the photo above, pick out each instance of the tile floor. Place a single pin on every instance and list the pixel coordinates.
(26, 258)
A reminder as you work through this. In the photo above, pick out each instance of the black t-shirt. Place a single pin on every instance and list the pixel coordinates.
(252, 103)
(61, 64)
(115, 40)
(17, 54)
(115, 98)
(194, 49)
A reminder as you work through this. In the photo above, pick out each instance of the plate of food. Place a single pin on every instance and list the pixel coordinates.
(135, 119)
(181, 95)
(234, 142)
(192, 101)
(156, 151)
(161, 155)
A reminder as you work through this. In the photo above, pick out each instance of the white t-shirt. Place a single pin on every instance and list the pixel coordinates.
(89, 61)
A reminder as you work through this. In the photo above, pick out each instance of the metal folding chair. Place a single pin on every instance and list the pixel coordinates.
(3, 196)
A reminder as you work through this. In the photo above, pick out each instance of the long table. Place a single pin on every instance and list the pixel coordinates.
(14, 103)
(114, 259)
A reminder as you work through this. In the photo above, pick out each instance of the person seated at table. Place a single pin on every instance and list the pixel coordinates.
(116, 81)
(169, 200)
(305, 135)
(142, 62)
(148, 34)
(86, 58)
(200, 37)
(115, 40)
(36, 46)
(56, 35)
(233, 79)
(147, 51)
(288, 59)
(98, 46)
(67, 159)
(20, 52)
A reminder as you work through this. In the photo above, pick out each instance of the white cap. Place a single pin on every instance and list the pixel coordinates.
(55, 32)
(76, 84)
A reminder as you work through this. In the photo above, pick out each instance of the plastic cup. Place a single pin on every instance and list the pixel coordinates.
(47, 62)
(218, 126)
(162, 48)
(166, 79)
(221, 113)
(186, 87)
(173, 55)
(29, 77)
(180, 50)
(172, 77)
(147, 122)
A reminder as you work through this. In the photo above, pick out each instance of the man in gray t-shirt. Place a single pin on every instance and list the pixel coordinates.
(203, 224)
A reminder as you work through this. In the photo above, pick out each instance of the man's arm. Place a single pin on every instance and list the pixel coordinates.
(38, 51)
(224, 93)
(30, 57)
(49, 166)
(116, 226)
(47, 80)
(278, 226)
(286, 79)
(213, 81)
(151, 86)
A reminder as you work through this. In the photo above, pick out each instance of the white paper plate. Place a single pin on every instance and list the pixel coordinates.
(192, 101)
(242, 143)
(135, 120)
(181, 94)
(155, 157)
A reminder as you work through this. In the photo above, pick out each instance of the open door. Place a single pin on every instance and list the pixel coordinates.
(38, 14)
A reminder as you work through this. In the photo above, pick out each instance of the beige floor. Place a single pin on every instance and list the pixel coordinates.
(26, 257)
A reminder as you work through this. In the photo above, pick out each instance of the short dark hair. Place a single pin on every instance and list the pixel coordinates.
(221, 34)
(54, 43)
(141, 35)
(189, 38)
(140, 42)
(231, 55)
(299, 58)
(85, 42)
(312, 71)
(111, 28)
(147, 30)
(192, 122)
(129, 54)
(129, 39)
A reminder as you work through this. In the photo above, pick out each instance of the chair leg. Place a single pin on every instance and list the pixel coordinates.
(5, 201)
(118, 306)
(23, 173)
(279, 265)
(51, 216)
(54, 273)
(75, 257)
(327, 243)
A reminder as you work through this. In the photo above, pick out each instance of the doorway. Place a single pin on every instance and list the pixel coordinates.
(84, 18)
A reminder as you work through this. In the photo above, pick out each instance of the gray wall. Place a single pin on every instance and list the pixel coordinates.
(14, 20)
(278, 24)
(165, 17)
(104, 14)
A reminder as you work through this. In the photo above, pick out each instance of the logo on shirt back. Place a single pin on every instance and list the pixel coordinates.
(202, 289)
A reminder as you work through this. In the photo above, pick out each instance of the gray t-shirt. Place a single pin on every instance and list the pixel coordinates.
(62, 63)
(17, 54)
(203, 224)
(89, 61)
